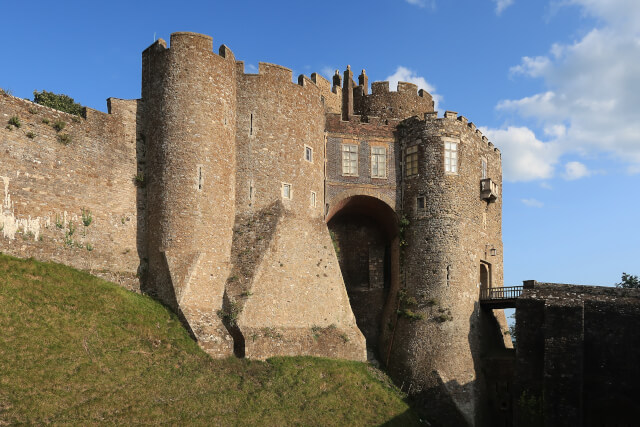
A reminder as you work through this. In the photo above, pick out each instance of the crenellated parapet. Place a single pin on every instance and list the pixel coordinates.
(403, 103)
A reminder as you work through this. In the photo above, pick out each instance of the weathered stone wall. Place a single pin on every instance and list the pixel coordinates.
(576, 355)
(401, 104)
(446, 242)
(276, 120)
(330, 96)
(295, 285)
(47, 184)
(190, 123)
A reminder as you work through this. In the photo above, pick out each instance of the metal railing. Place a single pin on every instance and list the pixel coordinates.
(507, 292)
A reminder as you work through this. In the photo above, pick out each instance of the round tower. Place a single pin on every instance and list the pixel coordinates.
(453, 247)
(189, 96)
(406, 102)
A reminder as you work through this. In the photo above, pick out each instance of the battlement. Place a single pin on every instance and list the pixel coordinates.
(451, 116)
(189, 41)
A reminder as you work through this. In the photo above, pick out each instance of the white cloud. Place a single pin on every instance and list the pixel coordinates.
(532, 67)
(501, 5)
(532, 203)
(423, 3)
(328, 72)
(590, 104)
(575, 170)
(524, 157)
(404, 74)
(546, 185)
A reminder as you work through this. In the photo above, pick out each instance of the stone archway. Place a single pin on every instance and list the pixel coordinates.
(365, 230)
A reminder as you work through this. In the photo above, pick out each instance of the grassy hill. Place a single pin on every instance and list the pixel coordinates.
(77, 349)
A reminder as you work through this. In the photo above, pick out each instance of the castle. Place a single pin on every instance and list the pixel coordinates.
(277, 218)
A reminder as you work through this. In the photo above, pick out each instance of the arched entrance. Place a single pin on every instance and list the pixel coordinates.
(364, 230)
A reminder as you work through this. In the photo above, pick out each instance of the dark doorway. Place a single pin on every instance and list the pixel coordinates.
(485, 277)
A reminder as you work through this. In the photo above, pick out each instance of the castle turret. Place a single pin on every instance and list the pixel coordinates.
(406, 102)
(453, 248)
(189, 96)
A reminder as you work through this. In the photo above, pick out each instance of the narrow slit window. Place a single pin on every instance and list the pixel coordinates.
(251, 125)
(313, 199)
(484, 169)
(286, 191)
(200, 178)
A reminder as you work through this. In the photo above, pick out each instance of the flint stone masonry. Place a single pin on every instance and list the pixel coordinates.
(201, 195)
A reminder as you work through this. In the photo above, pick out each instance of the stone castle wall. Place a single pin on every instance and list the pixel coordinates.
(195, 205)
(47, 185)
(446, 242)
(294, 286)
(576, 355)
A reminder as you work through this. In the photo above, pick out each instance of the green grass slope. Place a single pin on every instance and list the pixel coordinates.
(75, 349)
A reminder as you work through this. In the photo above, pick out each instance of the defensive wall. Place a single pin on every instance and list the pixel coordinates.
(224, 194)
(577, 355)
(47, 186)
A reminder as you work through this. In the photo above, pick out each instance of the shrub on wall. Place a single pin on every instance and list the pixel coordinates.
(58, 101)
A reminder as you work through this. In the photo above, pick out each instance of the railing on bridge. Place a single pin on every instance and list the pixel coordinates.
(504, 293)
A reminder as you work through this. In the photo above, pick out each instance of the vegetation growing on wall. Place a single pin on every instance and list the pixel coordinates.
(59, 102)
(629, 282)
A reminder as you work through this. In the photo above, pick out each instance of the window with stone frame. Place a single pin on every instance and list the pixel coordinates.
(286, 191)
(450, 156)
(421, 203)
(308, 154)
(349, 159)
(378, 162)
(411, 160)
(484, 168)
(313, 199)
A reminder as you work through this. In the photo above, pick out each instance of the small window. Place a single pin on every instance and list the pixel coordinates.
(451, 157)
(484, 169)
(200, 178)
(313, 199)
(411, 160)
(308, 154)
(420, 203)
(251, 124)
(378, 162)
(349, 159)
(286, 191)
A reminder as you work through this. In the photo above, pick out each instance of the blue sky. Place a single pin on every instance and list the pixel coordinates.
(555, 84)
